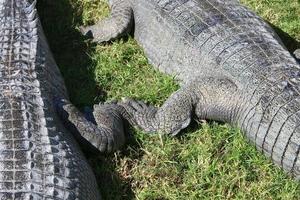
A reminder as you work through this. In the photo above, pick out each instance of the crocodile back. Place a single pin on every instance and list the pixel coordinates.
(38, 158)
(193, 38)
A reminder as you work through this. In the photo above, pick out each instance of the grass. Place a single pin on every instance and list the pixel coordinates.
(212, 161)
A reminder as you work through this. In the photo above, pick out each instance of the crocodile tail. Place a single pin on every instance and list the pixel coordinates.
(272, 123)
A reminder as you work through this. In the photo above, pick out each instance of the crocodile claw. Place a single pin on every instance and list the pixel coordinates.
(86, 32)
(297, 54)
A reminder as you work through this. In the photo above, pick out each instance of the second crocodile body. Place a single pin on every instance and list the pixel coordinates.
(231, 65)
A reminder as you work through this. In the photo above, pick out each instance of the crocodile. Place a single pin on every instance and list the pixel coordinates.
(231, 66)
(39, 157)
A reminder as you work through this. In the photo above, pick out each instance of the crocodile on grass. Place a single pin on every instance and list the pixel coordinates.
(39, 158)
(231, 64)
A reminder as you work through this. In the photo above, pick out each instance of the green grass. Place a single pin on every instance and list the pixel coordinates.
(212, 161)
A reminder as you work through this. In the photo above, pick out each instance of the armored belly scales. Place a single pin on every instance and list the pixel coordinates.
(231, 65)
(39, 159)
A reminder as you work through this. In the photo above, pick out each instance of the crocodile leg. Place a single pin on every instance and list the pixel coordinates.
(117, 24)
(209, 98)
(103, 129)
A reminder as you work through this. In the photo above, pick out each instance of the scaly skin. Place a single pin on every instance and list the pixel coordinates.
(39, 158)
(297, 54)
(232, 67)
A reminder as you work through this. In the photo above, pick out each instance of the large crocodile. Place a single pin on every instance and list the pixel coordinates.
(39, 158)
(231, 65)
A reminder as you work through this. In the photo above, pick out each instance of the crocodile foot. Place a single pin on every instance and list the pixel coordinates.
(173, 116)
(140, 114)
(102, 127)
(116, 25)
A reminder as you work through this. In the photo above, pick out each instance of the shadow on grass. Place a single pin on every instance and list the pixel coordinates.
(71, 53)
(291, 43)
(69, 50)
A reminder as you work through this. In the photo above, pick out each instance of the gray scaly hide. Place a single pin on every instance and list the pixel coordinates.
(231, 64)
(39, 159)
